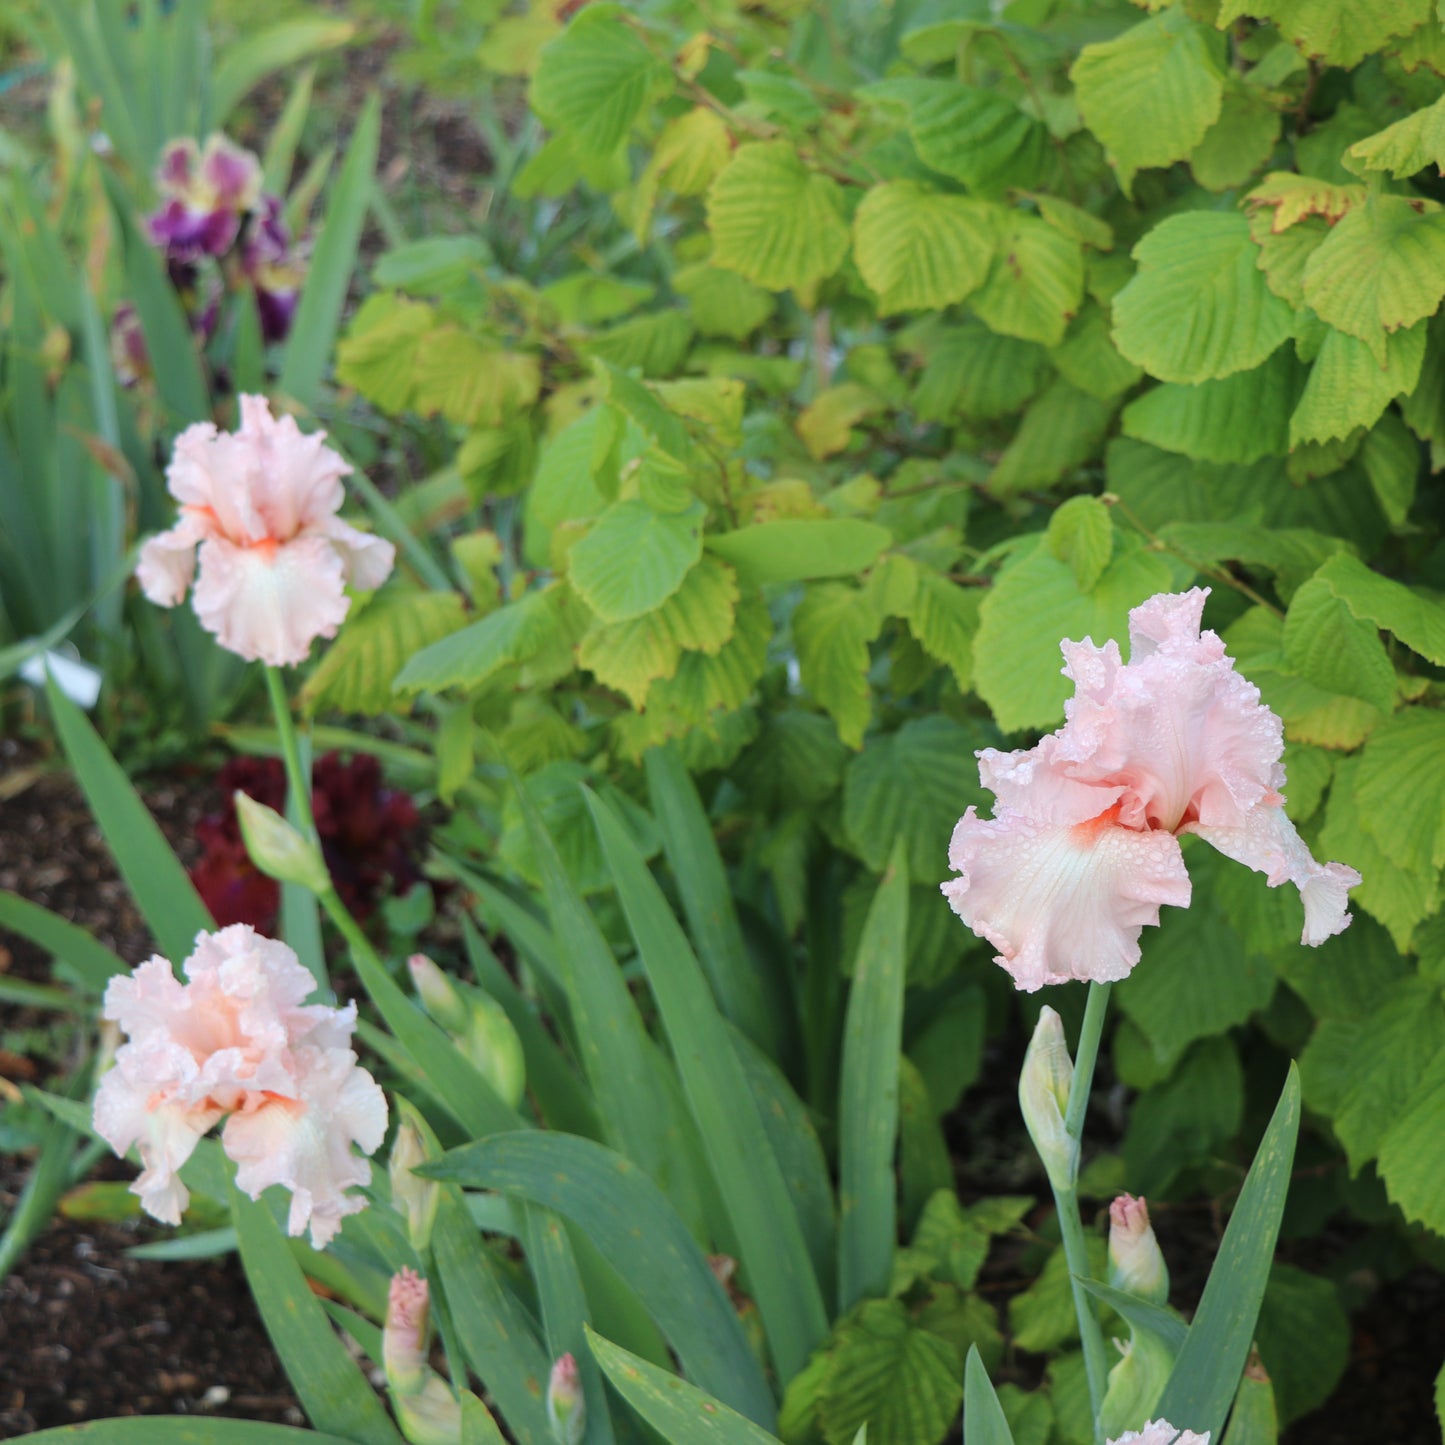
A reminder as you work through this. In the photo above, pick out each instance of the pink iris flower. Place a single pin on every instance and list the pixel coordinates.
(1083, 847)
(1161, 1432)
(236, 1039)
(261, 504)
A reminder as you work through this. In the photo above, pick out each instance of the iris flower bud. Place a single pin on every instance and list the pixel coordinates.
(1044, 1085)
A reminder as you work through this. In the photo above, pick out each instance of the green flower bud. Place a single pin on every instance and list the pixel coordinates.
(438, 994)
(1044, 1084)
(413, 1196)
(566, 1404)
(1136, 1264)
(277, 849)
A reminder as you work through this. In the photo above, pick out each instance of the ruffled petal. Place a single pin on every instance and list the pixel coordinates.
(1062, 902)
(297, 476)
(305, 1143)
(271, 602)
(168, 561)
(368, 559)
(1269, 843)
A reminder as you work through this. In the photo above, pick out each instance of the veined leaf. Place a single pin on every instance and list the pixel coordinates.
(1339, 32)
(1412, 1153)
(978, 136)
(357, 673)
(1199, 307)
(1081, 533)
(1349, 388)
(1381, 268)
(1417, 621)
(1240, 142)
(1326, 644)
(794, 550)
(832, 628)
(594, 80)
(1152, 93)
(1407, 146)
(1036, 283)
(920, 250)
(470, 381)
(1060, 431)
(773, 220)
(1239, 418)
(1290, 198)
(1401, 788)
(975, 372)
(635, 558)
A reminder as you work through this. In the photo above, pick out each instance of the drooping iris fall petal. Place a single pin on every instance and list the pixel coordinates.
(1083, 847)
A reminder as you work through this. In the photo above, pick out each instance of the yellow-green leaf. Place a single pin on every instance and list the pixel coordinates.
(921, 250)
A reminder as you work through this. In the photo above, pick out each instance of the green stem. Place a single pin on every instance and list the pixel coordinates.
(1066, 1201)
(349, 928)
(297, 779)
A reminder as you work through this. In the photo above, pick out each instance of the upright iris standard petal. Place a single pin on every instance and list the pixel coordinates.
(236, 1038)
(1083, 847)
(275, 559)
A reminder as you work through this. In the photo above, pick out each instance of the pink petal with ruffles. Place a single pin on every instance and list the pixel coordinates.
(1269, 843)
(304, 1143)
(368, 560)
(1161, 1432)
(1062, 902)
(271, 601)
(168, 562)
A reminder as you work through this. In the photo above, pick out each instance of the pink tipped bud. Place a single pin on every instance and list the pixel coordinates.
(566, 1405)
(404, 1336)
(438, 994)
(1136, 1264)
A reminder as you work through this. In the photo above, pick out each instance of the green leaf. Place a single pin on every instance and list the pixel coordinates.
(1391, 458)
(1408, 146)
(984, 1422)
(1348, 387)
(1151, 94)
(630, 656)
(773, 220)
(832, 628)
(1240, 418)
(868, 1093)
(475, 654)
(1253, 1421)
(1059, 433)
(328, 277)
(921, 250)
(181, 1430)
(470, 381)
(826, 423)
(491, 1327)
(795, 550)
(1089, 360)
(772, 1254)
(334, 1393)
(1284, 256)
(680, 1413)
(1380, 269)
(250, 58)
(1036, 283)
(702, 883)
(1417, 621)
(1303, 1338)
(911, 786)
(1199, 307)
(631, 1223)
(1395, 1047)
(977, 136)
(722, 303)
(1401, 788)
(1187, 1119)
(87, 957)
(166, 897)
(1326, 644)
(1240, 142)
(1397, 896)
(379, 352)
(1208, 1370)
(595, 79)
(357, 673)
(1339, 32)
(634, 558)
(1412, 1159)
(900, 1381)
(1035, 603)
(975, 372)
(942, 615)
(1081, 533)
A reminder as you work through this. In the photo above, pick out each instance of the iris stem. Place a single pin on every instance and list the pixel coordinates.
(1066, 1201)
(298, 781)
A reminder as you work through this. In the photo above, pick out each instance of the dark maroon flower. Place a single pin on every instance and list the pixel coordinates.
(129, 357)
(204, 195)
(370, 836)
(274, 268)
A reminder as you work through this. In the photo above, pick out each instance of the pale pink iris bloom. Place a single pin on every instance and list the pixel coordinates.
(275, 559)
(236, 1039)
(1083, 847)
(1161, 1432)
